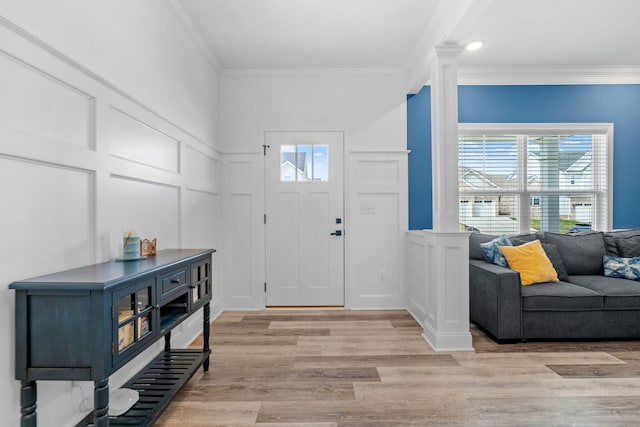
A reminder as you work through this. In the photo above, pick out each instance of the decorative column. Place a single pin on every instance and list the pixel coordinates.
(444, 138)
(446, 324)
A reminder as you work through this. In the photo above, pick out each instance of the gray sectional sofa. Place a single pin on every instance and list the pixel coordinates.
(584, 304)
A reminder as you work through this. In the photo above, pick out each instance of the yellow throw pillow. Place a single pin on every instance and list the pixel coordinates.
(531, 262)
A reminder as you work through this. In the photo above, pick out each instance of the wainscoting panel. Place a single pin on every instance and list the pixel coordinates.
(42, 105)
(201, 219)
(47, 218)
(415, 278)
(148, 208)
(437, 287)
(133, 139)
(202, 170)
(243, 234)
(375, 229)
(378, 270)
(241, 239)
(379, 172)
(81, 160)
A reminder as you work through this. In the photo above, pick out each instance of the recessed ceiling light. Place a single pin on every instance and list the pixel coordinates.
(474, 45)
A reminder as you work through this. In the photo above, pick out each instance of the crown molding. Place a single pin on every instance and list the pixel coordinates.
(550, 75)
(275, 72)
(176, 9)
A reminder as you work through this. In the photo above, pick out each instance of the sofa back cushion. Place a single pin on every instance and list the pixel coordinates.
(628, 247)
(581, 253)
(554, 256)
(611, 237)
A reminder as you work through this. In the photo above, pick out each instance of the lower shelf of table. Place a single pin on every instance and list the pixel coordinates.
(156, 383)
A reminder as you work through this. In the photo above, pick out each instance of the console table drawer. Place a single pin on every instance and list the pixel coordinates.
(174, 281)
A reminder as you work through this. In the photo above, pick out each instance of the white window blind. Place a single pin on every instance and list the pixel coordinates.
(536, 180)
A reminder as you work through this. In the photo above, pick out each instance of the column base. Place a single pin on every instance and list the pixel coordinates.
(447, 341)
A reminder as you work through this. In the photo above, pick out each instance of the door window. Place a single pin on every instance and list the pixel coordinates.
(304, 163)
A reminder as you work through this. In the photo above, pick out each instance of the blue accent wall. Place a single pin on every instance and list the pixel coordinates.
(617, 104)
(419, 145)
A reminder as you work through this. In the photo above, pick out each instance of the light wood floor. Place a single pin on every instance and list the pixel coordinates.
(335, 368)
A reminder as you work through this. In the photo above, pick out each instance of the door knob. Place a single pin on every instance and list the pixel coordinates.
(337, 233)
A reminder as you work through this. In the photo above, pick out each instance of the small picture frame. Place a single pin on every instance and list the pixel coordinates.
(147, 247)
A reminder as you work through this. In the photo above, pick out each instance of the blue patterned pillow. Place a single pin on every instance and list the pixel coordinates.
(492, 252)
(622, 268)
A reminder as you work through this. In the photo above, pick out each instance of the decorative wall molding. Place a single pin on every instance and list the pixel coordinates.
(154, 147)
(549, 75)
(92, 75)
(68, 193)
(376, 219)
(377, 151)
(437, 287)
(242, 201)
(41, 93)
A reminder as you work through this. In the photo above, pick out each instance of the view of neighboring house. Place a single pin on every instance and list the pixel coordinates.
(293, 166)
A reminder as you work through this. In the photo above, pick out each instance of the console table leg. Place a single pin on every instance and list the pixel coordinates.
(206, 331)
(101, 403)
(167, 341)
(28, 399)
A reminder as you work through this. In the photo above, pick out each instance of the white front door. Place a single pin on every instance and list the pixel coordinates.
(304, 219)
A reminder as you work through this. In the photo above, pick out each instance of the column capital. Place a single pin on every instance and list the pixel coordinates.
(449, 51)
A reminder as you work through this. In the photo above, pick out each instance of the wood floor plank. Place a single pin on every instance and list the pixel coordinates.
(342, 316)
(378, 361)
(239, 339)
(208, 413)
(368, 345)
(307, 375)
(342, 368)
(375, 332)
(338, 324)
(630, 370)
(270, 391)
(312, 332)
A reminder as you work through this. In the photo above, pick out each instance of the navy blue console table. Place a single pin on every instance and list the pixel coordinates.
(84, 324)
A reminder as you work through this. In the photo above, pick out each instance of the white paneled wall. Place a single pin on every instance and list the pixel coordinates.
(437, 284)
(80, 160)
(243, 202)
(377, 212)
(369, 107)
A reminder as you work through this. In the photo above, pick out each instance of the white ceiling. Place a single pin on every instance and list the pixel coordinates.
(276, 34)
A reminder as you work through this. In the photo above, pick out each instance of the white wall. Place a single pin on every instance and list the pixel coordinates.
(107, 121)
(370, 107)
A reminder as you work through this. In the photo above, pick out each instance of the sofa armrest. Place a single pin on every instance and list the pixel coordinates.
(495, 300)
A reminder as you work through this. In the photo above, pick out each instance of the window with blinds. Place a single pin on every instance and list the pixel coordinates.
(534, 179)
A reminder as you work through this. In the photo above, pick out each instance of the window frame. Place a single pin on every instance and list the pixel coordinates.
(524, 196)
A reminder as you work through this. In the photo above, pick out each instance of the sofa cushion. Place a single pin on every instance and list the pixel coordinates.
(611, 236)
(492, 251)
(553, 255)
(581, 253)
(629, 246)
(618, 293)
(560, 296)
